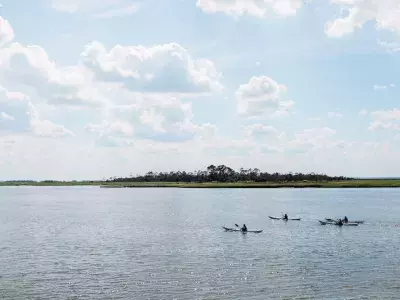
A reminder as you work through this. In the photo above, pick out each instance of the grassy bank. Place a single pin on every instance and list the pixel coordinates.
(363, 183)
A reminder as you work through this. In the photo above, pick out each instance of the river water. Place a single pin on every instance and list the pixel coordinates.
(93, 243)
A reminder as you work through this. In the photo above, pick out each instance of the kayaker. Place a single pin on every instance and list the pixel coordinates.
(345, 219)
(340, 223)
(285, 217)
(244, 228)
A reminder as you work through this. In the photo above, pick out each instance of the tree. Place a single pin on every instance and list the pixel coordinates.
(223, 173)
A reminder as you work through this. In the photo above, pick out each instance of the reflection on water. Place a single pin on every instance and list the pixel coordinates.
(92, 243)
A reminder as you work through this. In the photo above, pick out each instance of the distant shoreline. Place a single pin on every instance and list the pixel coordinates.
(360, 183)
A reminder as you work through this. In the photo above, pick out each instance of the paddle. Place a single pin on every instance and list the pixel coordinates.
(238, 226)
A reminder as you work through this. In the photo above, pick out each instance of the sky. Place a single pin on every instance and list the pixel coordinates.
(93, 89)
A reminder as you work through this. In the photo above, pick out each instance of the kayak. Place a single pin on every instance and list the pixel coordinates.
(275, 218)
(333, 220)
(335, 223)
(234, 229)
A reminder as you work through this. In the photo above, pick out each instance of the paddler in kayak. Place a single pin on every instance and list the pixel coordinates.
(285, 217)
(244, 228)
(345, 220)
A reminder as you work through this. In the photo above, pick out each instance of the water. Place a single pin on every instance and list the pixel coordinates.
(92, 243)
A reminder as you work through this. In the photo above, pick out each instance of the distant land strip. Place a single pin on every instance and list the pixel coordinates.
(221, 176)
(360, 183)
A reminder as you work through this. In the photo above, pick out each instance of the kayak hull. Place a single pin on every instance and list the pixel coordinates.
(335, 223)
(333, 220)
(238, 230)
(275, 218)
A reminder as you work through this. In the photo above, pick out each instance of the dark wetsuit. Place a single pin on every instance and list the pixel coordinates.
(244, 228)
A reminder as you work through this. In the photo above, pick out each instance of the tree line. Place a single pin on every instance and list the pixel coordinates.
(222, 173)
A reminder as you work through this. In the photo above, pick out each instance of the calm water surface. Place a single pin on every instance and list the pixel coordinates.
(92, 243)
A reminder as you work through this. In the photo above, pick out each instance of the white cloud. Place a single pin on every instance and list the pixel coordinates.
(65, 7)
(314, 138)
(101, 9)
(316, 133)
(268, 140)
(26, 118)
(6, 117)
(271, 149)
(261, 130)
(154, 117)
(223, 147)
(390, 47)
(385, 119)
(363, 112)
(257, 8)
(334, 114)
(314, 119)
(107, 128)
(161, 68)
(376, 125)
(262, 96)
(10, 97)
(118, 12)
(159, 117)
(358, 12)
(29, 67)
(45, 128)
(386, 115)
(102, 83)
(13, 107)
(378, 87)
(6, 32)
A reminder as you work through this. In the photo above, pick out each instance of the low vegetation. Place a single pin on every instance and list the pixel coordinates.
(361, 183)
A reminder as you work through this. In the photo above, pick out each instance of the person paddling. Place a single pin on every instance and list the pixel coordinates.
(285, 217)
(345, 219)
(244, 228)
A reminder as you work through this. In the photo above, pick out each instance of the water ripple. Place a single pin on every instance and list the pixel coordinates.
(85, 243)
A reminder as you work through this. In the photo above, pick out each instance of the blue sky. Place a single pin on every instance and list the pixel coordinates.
(91, 90)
